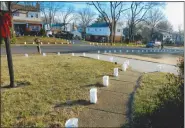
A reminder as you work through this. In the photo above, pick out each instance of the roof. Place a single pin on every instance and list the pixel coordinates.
(58, 25)
(99, 25)
(27, 21)
(25, 7)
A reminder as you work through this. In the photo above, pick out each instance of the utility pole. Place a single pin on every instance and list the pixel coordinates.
(5, 24)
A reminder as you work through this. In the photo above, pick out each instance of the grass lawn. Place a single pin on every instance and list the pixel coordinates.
(44, 40)
(157, 102)
(149, 85)
(47, 84)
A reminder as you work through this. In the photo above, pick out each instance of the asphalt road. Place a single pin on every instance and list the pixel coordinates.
(82, 47)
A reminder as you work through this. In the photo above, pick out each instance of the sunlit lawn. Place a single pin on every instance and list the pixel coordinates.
(47, 82)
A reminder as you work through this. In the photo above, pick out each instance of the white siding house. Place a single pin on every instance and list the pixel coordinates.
(98, 30)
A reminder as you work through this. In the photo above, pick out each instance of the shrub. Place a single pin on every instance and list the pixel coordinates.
(13, 37)
(166, 108)
(169, 112)
(42, 32)
(13, 40)
(180, 64)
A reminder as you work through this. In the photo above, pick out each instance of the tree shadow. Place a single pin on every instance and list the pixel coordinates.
(130, 105)
(18, 85)
(98, 84)
(70, 103)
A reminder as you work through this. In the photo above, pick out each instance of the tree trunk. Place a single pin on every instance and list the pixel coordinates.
(114, 32)
(111, 34)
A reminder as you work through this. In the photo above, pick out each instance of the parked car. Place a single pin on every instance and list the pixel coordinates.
(153, 44)
(64, 35)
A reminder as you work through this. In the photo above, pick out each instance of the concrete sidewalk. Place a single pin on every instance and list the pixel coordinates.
(137, 65)
(112, 107)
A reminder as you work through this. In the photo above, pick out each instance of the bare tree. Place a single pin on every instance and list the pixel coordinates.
(164, 25)
(66, 16)
(111, 12)
(137, 13)
(49, 9)
(153, 18)
(9, 6)
(85, 16)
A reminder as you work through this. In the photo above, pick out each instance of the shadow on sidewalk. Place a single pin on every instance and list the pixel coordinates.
(130, 104)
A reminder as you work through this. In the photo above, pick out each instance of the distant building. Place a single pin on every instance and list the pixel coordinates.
(59, 27)
(178, 38)
(167, 35)
(101, 31)
(27, 19)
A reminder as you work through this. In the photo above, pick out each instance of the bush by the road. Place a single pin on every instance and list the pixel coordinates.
(44, 40)
(159, 101)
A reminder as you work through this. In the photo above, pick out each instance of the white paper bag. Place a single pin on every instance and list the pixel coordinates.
(26, 55)
(159, 67)
(44, 54)
(84, 54)
(106, 81)
(98, 57)
(72, 123)
(124, 67)
(116, 72)
(128, 63)
(93, 95)
(111, 59)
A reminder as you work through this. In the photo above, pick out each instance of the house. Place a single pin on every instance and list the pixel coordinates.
(59, 27)
(27, 19)
(101, 31)
(178, 38)
(167, 36)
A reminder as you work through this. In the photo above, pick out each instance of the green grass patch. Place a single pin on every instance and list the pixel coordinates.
(48, 82)
(158, 102)
(44, 40)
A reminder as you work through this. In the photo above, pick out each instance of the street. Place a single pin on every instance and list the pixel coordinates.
(83, 47)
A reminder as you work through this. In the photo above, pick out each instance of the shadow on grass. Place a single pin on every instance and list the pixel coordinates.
(98, 84)
(70, 103)
(18, 84)
(130, 105)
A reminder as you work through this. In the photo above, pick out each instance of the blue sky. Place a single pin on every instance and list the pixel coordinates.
(174, 11)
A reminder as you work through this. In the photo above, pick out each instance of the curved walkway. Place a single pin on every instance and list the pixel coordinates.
(138, 65)
(113, 106)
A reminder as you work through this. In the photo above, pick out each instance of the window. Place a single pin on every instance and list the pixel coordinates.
(95, 29)
(16, 14)
(118, 30)
(37, 15)
(34, 28)
(100, 29)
